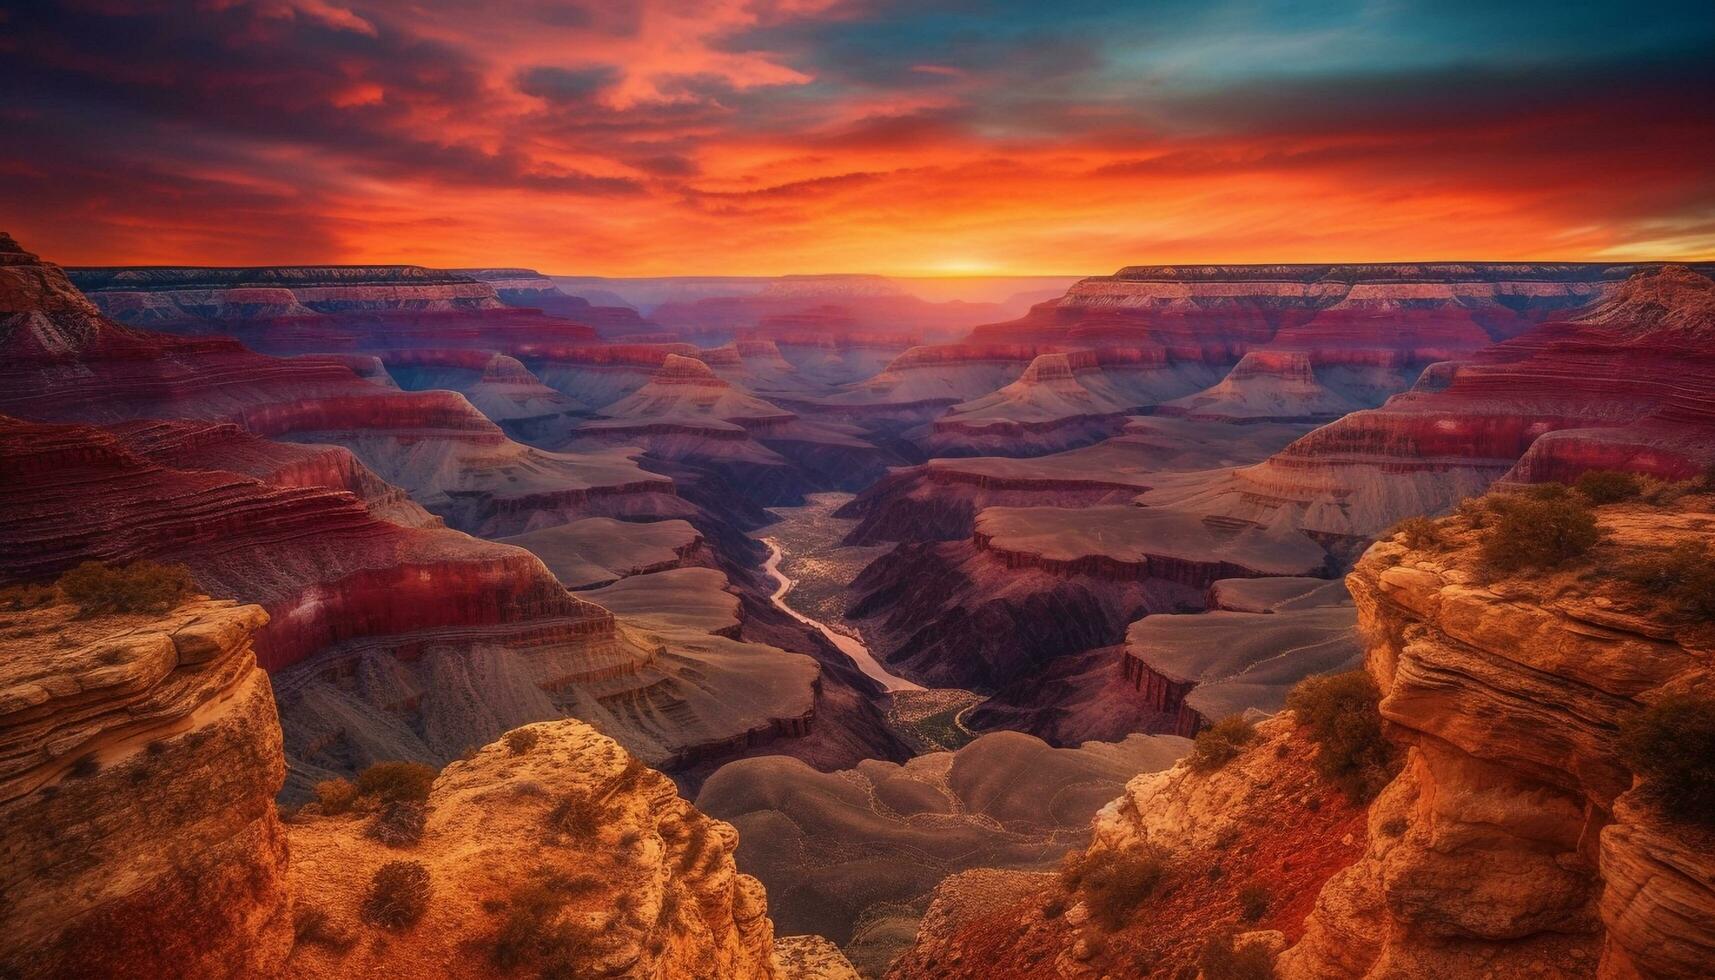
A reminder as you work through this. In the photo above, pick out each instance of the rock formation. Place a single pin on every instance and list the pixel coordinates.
(139, 758)
(645, 886)
(1264, 823)
(1514, 841)
(1626, 386)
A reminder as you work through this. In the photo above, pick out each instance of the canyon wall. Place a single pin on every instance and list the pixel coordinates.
(1515, 841)
(139, 758)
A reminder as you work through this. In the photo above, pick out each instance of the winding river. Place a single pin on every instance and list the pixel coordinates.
(847, 645)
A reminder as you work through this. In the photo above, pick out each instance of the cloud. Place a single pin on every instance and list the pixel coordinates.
(774, 135)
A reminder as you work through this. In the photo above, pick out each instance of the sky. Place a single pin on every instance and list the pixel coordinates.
(902, 137)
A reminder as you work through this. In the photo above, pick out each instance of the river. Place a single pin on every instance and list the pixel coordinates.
(848, 645)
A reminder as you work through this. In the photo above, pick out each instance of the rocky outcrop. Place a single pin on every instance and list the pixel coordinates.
(1513, 841)
(646, 887)
(1264, 824)
(139, 758)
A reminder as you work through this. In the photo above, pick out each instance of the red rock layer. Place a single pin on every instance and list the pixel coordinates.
(325, 568)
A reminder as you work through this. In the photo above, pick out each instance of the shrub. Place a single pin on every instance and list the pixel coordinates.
(389, 781)
(399, 823)
(522, 740)
(580, 816)
(1115, 883)
(530, 932)
(1609, 486)
(1684, 574)
(1253, 902)
(1342, 714)
(398, 894)
(1671, 745)
(1218, 744)
(311, 925)
(1220, 959)
(20, 597)
(1417, 532)
(336, 796)
(1534, 530)
(142, 586)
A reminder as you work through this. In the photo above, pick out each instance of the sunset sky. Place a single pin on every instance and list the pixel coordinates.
(905, 137)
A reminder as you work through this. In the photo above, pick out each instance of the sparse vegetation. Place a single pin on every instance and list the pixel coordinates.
(580, 816)
(142, 586)
(1417, 532)
(1342, 714)
(531, 933)
(1220, 743)
(1684, 575)
(1609, 486)
(522, 740)
(1221, 959)
(1113, 884)
(399, 823)
(391, 781)
(1671, 745)
(1254, 901)
(335, 796)
(310, 925)
(1538, 528)
(28, 596)
(398, 894)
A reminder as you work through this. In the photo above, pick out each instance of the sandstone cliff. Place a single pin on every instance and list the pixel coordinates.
(1513, 842)
(139, 758)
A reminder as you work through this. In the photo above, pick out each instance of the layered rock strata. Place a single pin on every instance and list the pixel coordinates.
(139, 758)
(1514, 841)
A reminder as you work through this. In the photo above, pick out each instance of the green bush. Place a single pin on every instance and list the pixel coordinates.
(1220, 743)
(1220, 960)
(1254, 901)
(398, 894)
(1113, 884)
(336, 796)
(1609, 486)
(1538, 530)
(1342, 714)
(1417, 532)
(1684, 575)
(142, 586)
(1671, 745)
(390, 781)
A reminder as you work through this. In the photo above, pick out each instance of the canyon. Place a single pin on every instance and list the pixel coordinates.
(909, 597)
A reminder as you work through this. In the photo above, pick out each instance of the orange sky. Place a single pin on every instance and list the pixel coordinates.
(757, 138)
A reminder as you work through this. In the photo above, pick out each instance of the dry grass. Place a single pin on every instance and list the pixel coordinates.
(398, 894)
(1220, 743)
(142, 586)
